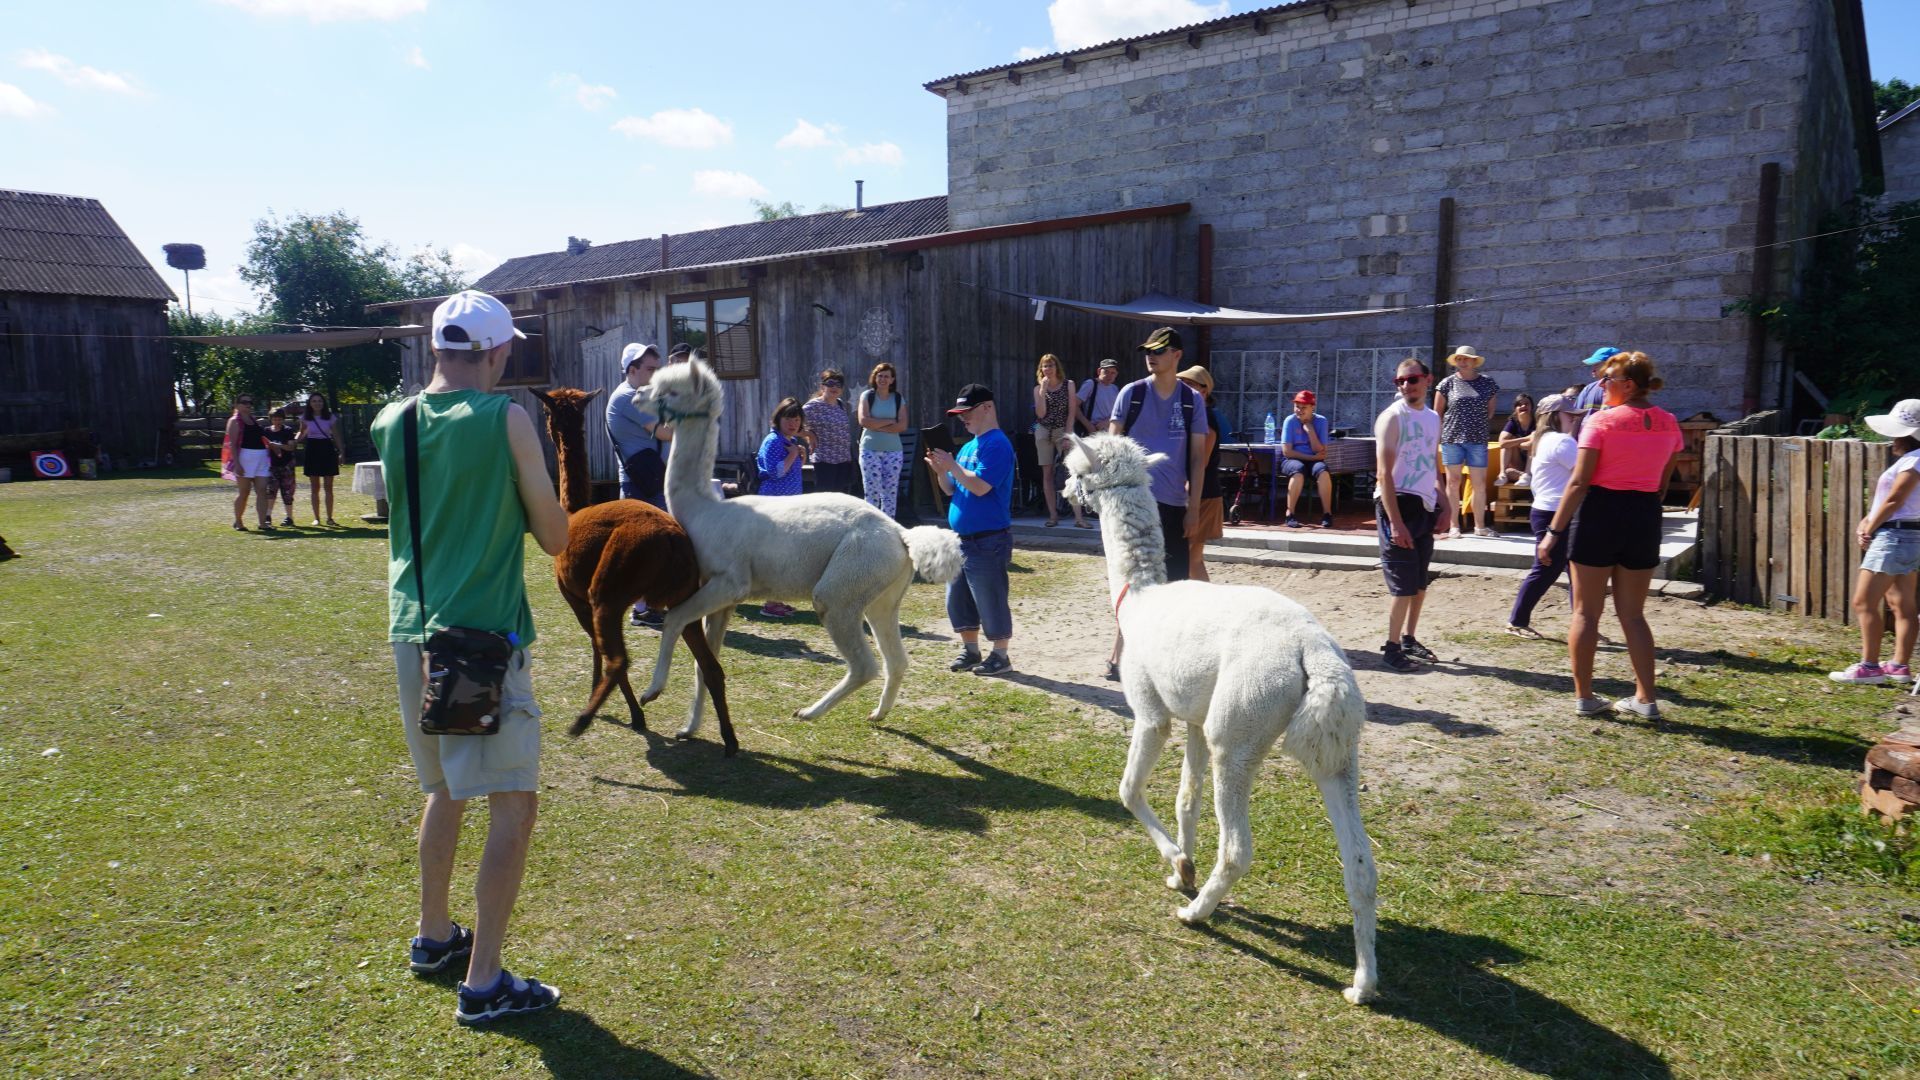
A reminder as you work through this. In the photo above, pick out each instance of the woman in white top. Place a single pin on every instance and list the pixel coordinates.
(1890, 535)
(1552, 453)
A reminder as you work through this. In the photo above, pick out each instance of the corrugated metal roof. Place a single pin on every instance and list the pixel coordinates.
(806, 234)
(1910, 107)
(67, 244)
(1051, 59)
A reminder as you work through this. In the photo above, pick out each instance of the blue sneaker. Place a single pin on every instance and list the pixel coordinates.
(506, 997)
(430, 957)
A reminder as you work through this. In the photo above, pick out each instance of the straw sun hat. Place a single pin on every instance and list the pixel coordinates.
(1465, 352)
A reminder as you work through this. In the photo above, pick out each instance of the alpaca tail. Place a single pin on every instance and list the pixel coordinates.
(935, 553)
(1324, 734)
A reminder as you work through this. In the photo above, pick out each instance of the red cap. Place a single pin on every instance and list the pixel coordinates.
(1304, 397)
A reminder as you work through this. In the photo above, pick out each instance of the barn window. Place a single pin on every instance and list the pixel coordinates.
(527, 363)
(722, 324)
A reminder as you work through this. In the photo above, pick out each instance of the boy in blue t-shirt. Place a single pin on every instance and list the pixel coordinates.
(980, 482)
(1303, 449)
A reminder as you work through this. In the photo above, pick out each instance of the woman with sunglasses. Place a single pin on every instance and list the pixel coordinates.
(1612, 505)
(318, 435)
(252, 465)
(831, 431)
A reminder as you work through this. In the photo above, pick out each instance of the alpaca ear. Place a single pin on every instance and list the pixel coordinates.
(591, 396)
(543, 397)
(1155, 459)
(1093, 459)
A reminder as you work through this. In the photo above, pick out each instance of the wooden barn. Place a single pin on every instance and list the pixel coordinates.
(82, 315)
(774, 302)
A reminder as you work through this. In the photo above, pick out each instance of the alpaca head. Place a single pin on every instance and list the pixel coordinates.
(681, 392)
(1102, 463)
(566, 410)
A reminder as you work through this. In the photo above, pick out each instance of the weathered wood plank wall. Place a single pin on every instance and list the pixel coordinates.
(87, 362)
(1777, 517)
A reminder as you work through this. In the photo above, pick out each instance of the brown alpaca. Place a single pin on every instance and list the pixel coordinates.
(619, 552)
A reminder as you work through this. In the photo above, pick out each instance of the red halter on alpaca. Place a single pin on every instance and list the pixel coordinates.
(619, 552)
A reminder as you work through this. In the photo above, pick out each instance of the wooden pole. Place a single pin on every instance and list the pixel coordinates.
(1443, 280)
(1764, 233)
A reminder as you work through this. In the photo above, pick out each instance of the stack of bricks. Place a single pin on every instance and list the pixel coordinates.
(1890, 787)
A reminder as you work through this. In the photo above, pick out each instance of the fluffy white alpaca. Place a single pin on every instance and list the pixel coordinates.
(1242, 667)
(850, 560)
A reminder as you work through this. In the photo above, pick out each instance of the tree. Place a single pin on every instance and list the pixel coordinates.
(208, 377)
(766, 211)
(1893, 95)
(321, 270)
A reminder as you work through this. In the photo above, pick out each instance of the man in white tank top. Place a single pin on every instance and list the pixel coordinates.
(1411, 505)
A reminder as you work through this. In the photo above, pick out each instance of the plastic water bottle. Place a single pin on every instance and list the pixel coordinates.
(1269, 429)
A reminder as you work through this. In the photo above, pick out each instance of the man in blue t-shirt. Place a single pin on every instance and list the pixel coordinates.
(980, 482)
(1593, 397)
(1303, 449)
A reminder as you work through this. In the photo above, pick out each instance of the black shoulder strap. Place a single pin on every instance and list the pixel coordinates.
(1135, 402)
(412, 440)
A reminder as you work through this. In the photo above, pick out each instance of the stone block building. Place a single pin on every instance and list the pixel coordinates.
(1595, 154)
(1900, 152)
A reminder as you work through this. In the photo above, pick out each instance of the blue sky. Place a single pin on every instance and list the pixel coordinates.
(498, 129)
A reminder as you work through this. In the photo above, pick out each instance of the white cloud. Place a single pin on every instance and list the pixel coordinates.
(591, 98)
(722, 184)
(416, 57)
(1028, 52)
(73, 74)
(15, 102)
(331, 10)
(685, 129)
(473, 261)
(1079, 23)
(805, 136)
(880, 153)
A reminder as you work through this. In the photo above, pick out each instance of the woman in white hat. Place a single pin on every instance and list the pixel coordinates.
(1465, 401)
(1890, 535)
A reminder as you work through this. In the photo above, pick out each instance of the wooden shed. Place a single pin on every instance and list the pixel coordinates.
(775, 302)
(82, 318)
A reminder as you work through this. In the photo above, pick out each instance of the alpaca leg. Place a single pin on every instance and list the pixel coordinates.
(1193, 776)
(709, 673)
(1232, 788)
(715, 595)
(846, 625)
(610, 640)
(716, 638)
(1149, 738)
(883, 618)
(1342, 796)
(583, 611)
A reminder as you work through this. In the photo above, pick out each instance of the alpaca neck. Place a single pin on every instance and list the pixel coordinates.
(569, 446)
(1130, 531)
(696, 443)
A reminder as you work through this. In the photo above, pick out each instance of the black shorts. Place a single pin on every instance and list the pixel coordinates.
(1406, 568)
(323, 458)
(1617, 528)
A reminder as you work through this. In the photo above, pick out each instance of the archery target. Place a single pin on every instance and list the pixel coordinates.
(51, 465)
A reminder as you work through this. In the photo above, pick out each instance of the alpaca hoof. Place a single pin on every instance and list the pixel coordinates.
(804, 714)
(1185, 869)
(580, 725)
(1357, 995)
(648, 697)
(639, 721)
(732, 749)
(1191, 914)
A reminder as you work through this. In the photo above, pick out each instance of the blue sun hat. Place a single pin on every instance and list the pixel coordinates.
(1600, 354)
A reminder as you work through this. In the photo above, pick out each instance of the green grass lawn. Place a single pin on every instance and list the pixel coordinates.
(214, 875)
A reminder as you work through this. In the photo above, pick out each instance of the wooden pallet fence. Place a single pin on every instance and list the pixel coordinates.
(1777, 517)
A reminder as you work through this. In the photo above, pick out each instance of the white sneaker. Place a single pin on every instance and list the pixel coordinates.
(1453, 533)
(1589, 706)
(1632, 706)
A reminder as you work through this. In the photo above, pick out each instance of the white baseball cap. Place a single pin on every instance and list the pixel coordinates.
(472, 320)
(634, 353)
(1901, 420)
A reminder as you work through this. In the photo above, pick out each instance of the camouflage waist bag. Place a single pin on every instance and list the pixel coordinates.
(466, 671)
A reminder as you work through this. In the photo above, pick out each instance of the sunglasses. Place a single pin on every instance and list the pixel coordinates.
(1407, 380)
(832, 382)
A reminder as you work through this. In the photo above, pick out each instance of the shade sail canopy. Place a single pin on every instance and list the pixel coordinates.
(318, 339)
(1174, 310)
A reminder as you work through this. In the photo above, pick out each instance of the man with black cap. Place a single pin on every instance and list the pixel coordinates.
(1167, 417)
(980, 481)
(680, 353)
(1097, 394)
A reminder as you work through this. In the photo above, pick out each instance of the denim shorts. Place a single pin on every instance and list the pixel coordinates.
(1893, 551)
(977, 599)
(1294, 467)
(1473, 455)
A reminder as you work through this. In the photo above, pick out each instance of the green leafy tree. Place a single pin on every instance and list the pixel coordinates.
(1852, 327)
(208, 377)
(1893, 95)
(766, 211)
(322, 270)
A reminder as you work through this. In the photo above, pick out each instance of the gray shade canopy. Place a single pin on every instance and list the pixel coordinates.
(1176, 311)
(302, 342)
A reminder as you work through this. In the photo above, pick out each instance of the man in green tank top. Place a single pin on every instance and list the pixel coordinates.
(483, 486)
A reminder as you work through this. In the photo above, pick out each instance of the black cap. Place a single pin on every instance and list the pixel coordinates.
(680, 349)
(1109, 363)
(971, 395)
(1161, 340)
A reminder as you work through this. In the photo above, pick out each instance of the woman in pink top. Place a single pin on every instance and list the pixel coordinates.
(1890, 536)
(1612, 505)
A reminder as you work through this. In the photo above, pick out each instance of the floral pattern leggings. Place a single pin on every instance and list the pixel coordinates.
(880, 469)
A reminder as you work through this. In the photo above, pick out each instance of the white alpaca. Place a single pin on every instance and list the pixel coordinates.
(852, 561)
(1243, 667)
